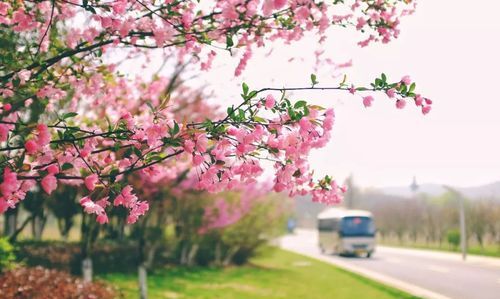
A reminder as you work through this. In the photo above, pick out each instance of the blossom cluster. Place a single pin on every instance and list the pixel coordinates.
(401, 92)
(68, 116)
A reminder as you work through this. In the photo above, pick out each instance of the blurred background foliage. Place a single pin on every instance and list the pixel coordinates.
(173, 233)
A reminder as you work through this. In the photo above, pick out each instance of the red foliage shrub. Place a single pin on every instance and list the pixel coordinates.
(42, 283)
(106, 257)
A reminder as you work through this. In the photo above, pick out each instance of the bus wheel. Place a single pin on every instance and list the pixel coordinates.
(369, 254)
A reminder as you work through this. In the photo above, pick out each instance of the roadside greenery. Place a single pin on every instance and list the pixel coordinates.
(274, 274)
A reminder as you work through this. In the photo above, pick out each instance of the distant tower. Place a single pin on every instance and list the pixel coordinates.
(349, 196)
(414, 185)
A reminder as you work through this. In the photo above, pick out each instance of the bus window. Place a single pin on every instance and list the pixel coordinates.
(327, 225)
(357, 226)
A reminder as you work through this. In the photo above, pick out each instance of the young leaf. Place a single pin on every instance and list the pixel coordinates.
(229, 41)
(245, 88)
(69, 115)
(300, 104)
(314, 81)
(66, 166)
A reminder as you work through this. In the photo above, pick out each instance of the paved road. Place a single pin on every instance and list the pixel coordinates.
(428, 274)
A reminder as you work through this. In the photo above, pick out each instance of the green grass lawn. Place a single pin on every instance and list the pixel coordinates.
(276, 274)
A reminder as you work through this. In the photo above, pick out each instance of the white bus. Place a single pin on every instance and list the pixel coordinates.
(342, 231)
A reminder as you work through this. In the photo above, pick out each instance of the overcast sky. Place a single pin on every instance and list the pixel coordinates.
(450, 48)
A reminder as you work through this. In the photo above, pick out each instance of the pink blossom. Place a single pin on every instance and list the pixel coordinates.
(367, 101)
(406, 80)
(102, 218)
(49, 183)
(361, 23)
(391, 92)
(352, 89)
(189, 146)
(302, 13)
(270, 101)
(90, 181)
(201, 143)
(4, 6)
(227, 157)
(10, 183)
(31, 146)
(279, 4)
(426, 109)
(43, 137)
(91, 207)
(4, 132)
(53, 169)
(197, 160)
(400, 104)
(24, 75)
(419, 100)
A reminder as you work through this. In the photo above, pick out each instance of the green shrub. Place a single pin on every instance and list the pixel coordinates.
(7, 256)
(191, 242)
(453, 237)
(106, 256)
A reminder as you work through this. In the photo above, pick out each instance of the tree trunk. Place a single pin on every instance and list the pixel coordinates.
(16, 233)
(143, 284)
(89, 230)
(87, 269)
(37, 226)
(142, 260)
(10, 224)
(218, 254)
(121, 229)
(230, 254)
(184, 254)
(192, 254)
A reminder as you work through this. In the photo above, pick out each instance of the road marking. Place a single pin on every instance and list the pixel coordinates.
(438, 269)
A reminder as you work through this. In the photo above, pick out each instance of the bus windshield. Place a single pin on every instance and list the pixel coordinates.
(357, 227)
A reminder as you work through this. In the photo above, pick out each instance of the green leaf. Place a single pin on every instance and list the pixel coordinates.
(113, 173)
(314, 81)
(229, 41)
(91, 9)
(230, 113)
(175, 129)
(252, 94)
(412, 87)
(259, 119)
(69, 115)
(384, 78)
(66, 166)
(403, 89)
(306, 110)
(292, 114)
(150, 106)
(245, 88)
(300, 104)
